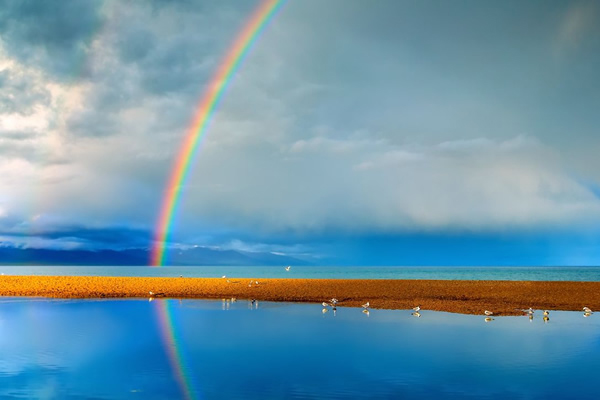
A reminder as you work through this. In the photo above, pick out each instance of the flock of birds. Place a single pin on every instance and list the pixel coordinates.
(253, 303)
(416, 311)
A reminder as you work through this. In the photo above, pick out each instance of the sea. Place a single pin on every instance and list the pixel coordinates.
(306, 272)
(223, 349)
(191, 349)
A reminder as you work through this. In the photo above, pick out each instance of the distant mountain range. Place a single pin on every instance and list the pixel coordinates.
(188, 257)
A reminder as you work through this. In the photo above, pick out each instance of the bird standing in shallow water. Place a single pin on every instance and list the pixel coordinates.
(417, 308)
(366, 305)
(288, 268)
(587, 310)
(488, 313)
(546, 313)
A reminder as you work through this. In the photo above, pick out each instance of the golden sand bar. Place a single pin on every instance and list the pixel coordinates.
(469, 297)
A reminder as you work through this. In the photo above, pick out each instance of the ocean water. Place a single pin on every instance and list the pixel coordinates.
(200, 349)
(459, 273)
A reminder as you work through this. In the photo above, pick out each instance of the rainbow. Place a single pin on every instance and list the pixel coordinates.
(172, 343)
(197, 130)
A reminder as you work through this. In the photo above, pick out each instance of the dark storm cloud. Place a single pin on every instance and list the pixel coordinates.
(104, 237)
(54, 35)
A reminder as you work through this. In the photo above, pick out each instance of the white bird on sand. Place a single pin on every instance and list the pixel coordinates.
(488, 319)
(288, 268)
(416, 314)
(151, 293)
(366, 305)
(546, 313)
(587, 310)
(417, 308)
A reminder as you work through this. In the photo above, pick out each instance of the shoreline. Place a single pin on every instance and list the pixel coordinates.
(457, 296)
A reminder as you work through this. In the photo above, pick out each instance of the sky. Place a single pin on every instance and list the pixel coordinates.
(373, 133)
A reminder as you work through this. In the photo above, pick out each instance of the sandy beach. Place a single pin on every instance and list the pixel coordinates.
(469, 297)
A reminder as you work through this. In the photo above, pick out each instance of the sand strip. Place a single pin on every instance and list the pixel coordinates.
(469, 297)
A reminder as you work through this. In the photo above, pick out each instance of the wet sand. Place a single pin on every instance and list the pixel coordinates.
(468, 297)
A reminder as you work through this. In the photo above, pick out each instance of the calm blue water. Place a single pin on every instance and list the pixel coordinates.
(460, 273)
(113, 349)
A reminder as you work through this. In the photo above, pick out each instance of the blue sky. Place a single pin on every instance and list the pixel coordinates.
(389, 132)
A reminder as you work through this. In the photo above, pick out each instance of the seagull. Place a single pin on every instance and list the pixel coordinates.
(488, 319)
(224, 276)
(151, 293)
(416, 314)
(334, 301)
(488, 313)
(417, 309)
(288, 268)
(366, 305)
(546, 313)
(587, 310)
(325, 304)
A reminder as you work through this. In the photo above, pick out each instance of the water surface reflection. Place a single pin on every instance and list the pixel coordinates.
(114, 349)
